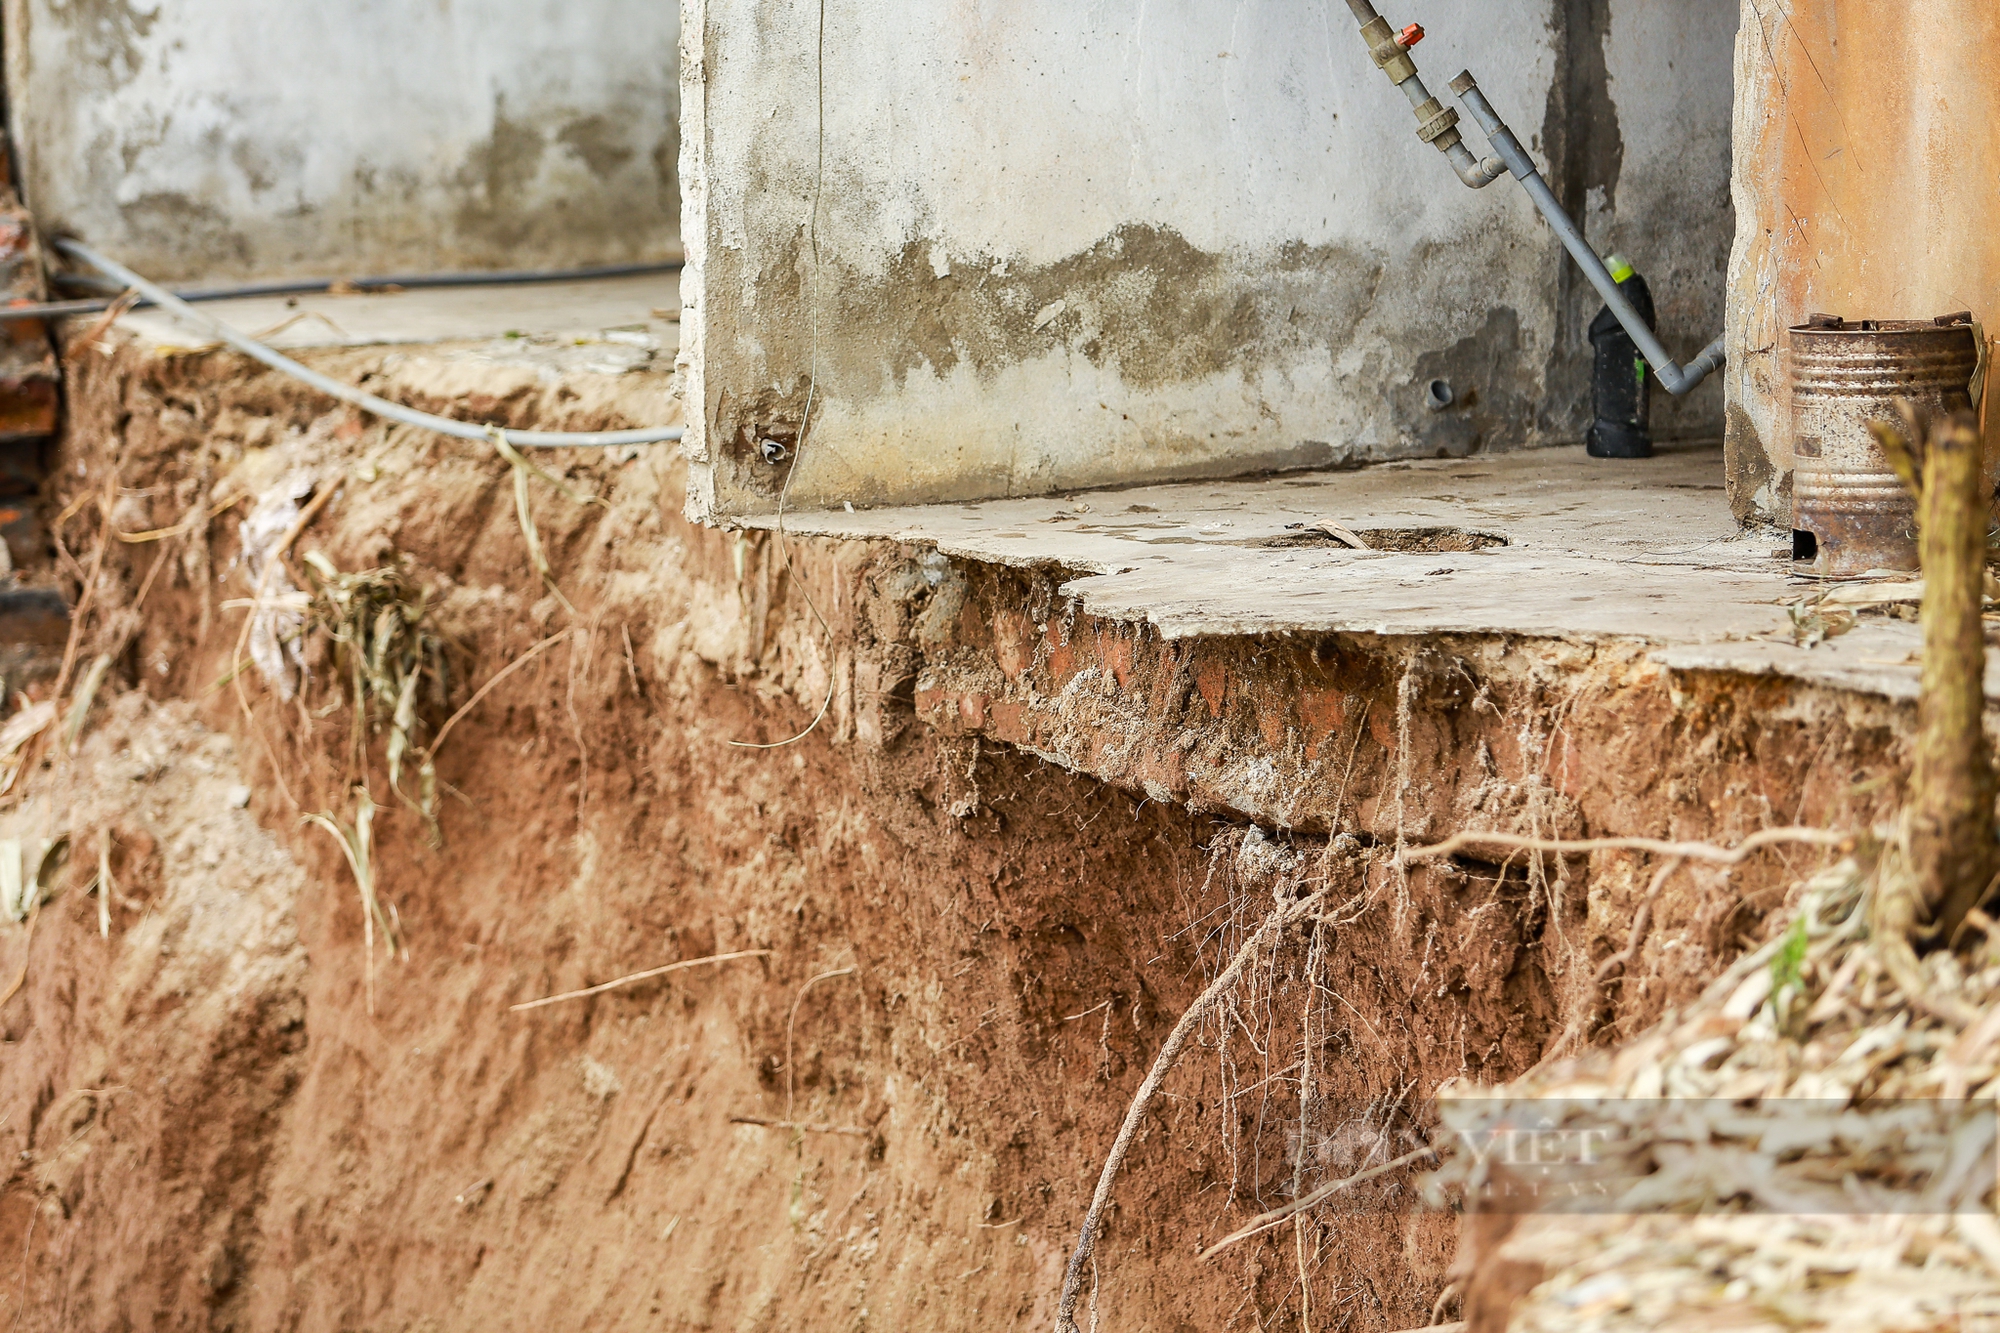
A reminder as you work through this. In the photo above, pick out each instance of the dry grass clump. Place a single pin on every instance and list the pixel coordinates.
(357, 843)
(392, 661)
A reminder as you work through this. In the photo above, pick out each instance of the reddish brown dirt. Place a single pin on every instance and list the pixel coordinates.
(210, 1130)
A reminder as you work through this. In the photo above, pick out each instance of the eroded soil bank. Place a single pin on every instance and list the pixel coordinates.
(1013, 850)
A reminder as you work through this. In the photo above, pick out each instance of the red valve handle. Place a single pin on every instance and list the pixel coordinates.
(1410, 36)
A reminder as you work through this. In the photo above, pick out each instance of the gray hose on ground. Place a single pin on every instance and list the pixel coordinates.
(347, 393)
(1676, 379)
(506, 277)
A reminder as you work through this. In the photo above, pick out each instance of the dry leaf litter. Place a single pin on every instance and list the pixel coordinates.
(1802, 1148)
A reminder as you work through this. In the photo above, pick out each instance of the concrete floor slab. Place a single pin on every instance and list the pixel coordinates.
(1593, 550)
(596, 310)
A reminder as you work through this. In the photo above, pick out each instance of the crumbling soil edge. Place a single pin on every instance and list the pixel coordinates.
(1022, 933)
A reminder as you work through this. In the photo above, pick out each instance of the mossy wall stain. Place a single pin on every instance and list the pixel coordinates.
(1480, 406)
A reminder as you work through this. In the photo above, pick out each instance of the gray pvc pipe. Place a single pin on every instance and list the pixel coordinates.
(347, 393)
(1676, 379)
(1471, 170)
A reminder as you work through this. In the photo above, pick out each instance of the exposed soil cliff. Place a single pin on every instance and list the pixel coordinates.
(973, 953)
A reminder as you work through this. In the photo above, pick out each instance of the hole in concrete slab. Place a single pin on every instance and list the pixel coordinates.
(1429, 539)
(1408, 540)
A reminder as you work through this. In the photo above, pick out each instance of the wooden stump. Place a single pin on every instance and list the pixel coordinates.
(1949, 822)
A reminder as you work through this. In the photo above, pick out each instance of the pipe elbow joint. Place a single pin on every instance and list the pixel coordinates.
(1478, 175)
(1680, 380)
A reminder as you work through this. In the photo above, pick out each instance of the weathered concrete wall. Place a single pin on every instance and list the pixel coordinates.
(215, 138)
(1045, 245)
(1867, 156)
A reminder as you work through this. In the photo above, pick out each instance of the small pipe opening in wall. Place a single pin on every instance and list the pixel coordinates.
(1438, 395)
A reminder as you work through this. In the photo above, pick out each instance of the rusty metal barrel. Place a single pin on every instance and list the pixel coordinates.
(1845, 375)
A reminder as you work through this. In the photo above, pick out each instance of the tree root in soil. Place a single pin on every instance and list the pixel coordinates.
(1284, 916)
(1290, 913)
(647, 975)
(1920, 881)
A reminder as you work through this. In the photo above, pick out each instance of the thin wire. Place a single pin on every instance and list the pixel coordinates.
(812, 388)
(347, 393)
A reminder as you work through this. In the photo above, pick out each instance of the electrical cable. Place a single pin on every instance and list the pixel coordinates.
(347, 393)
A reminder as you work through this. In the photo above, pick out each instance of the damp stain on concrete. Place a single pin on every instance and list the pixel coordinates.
(170, 216)
(313, 147)
(1142, 313)
(1479, 402)
(1586, 155)
(500, 168)
(112, 33)
(603, 144)
(1142, 303)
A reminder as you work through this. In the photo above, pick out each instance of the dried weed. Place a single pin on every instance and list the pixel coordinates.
(357, 843)
(376, 619)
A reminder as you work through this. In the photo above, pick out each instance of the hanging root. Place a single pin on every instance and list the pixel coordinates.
(357, 843)
(1612, 968)
(1257, 1226)
(1693, 851)
(1086, 1242)
(1223, 987)
(524, 511)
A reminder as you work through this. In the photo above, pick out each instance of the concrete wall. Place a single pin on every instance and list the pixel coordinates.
(1867, 171)
(213, 138)
(1061, 244)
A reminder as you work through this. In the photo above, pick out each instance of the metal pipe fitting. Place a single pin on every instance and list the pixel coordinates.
(1437, 124)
